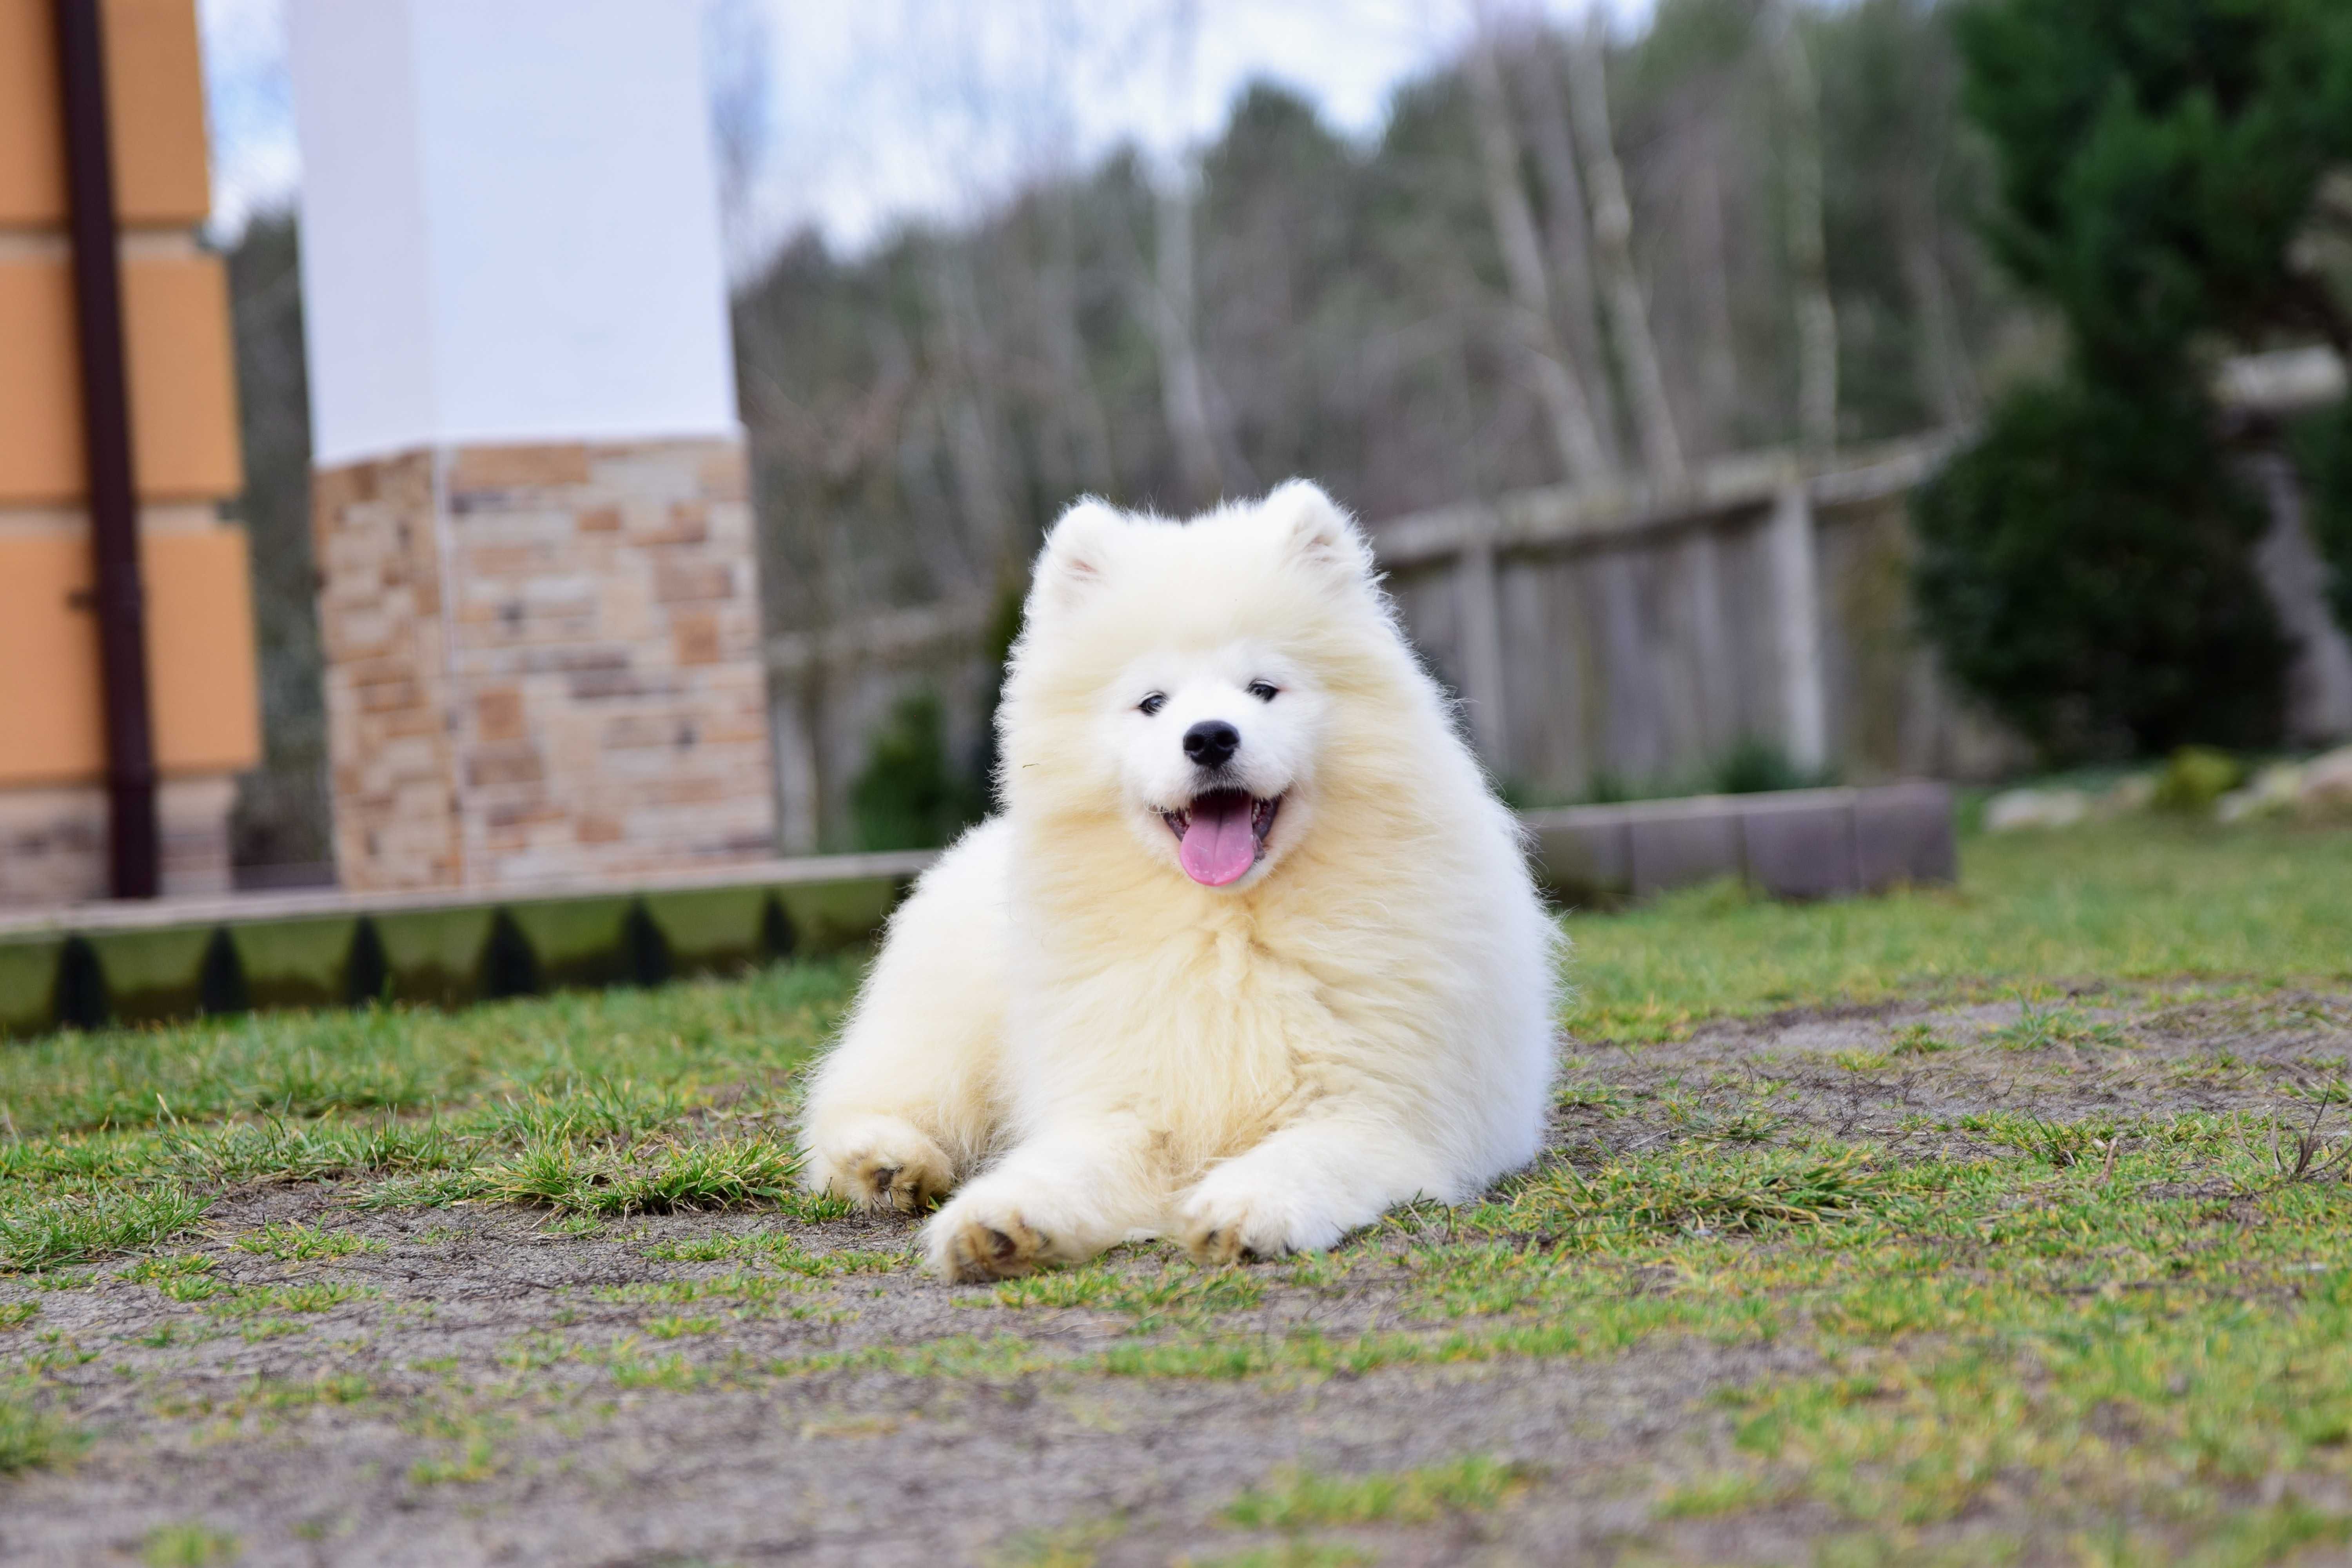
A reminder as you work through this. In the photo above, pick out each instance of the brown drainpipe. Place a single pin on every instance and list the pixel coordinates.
(132, 844)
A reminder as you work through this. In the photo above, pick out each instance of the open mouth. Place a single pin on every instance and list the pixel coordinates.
(1221, 834)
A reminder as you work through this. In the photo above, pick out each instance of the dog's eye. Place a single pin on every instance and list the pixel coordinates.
(1264, 690)
(1152, 704)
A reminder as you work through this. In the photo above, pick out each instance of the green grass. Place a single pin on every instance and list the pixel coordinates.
(2136, 899)
(2093, 1316)
(291, 1242)
(31, 1438)
(591, 1106)
(1301, 1499)
(42, 1231)
(538, 1067)
(189, 1546)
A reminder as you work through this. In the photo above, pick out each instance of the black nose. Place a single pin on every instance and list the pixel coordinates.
(1211, 742)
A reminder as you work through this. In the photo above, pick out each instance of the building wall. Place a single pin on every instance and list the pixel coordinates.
(205, 707)
(543, 663)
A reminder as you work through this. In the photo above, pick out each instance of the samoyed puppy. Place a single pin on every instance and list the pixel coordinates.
(1250, 952)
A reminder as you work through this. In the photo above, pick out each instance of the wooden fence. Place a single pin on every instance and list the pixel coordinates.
(1634, 636)
(1621, 636)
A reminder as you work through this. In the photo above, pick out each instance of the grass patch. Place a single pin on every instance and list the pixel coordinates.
(291, 1242)
(472, 1461)
(1711, 1496)
(1673, 1192)
(676, 1039)
(49, 1231)
(31, 1438)
(2133, 899)
(1173, 1295)
(189, 1546)
(1292, 1553)
(662, 1178)
(2044, 1028)
(1302, 1500)
(319, 1296)
(1071, 1546)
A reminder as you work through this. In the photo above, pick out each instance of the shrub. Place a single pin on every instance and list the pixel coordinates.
(2086, 568)
(2194, 777)
(909, 796)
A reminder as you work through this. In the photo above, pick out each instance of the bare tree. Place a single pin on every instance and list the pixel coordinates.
(1613, 232)
(1817, 337)
(969, 409)
(1567, 232)
(1710, 262)
(1573, 428)
(1082, 428)
(1183, 394)
(1947, 381)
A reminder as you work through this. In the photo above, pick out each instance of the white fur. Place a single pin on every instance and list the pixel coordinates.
(1096, 1047)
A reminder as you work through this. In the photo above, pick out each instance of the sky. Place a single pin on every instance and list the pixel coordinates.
(866, 114)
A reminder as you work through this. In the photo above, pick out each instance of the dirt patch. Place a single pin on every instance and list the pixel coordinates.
(475, 1385)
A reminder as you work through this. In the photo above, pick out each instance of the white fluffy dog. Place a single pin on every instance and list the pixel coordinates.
(1251, 953)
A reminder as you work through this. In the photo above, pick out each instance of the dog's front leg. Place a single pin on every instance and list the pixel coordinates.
(1062, 1194)
(1307, 1184)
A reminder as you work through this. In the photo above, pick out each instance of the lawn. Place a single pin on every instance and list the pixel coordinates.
(2002, 1223)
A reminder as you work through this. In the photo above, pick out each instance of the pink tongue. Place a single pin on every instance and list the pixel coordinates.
(1219, 846)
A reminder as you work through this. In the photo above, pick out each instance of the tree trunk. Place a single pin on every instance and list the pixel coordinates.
(1182, 393)
(1568, 236)
(968, 414)
(1082, 428)
(1946, 382)
(1573, 434)
(1817, 341)
(1612, 233)
(1719, 347)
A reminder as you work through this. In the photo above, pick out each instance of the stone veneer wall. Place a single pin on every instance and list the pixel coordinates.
(53, 841)
(544, 662)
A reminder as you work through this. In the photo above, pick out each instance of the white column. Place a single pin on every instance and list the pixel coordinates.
(510, 224)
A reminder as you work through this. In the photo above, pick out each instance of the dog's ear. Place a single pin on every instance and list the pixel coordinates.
(1318, 532)
(1077, 554)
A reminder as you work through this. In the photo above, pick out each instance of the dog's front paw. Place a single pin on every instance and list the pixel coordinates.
(881, 1162)
(972, 1240)
(1220, 1228)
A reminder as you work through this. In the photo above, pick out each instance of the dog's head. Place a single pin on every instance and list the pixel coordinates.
(1190, 678)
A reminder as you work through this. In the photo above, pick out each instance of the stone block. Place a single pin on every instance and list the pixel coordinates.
(1679, 844)
(689, 584)
(1583, 857)
(1800, 845)
(536, 466)
(694, 638)
(1904, 833)
(498, 714)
